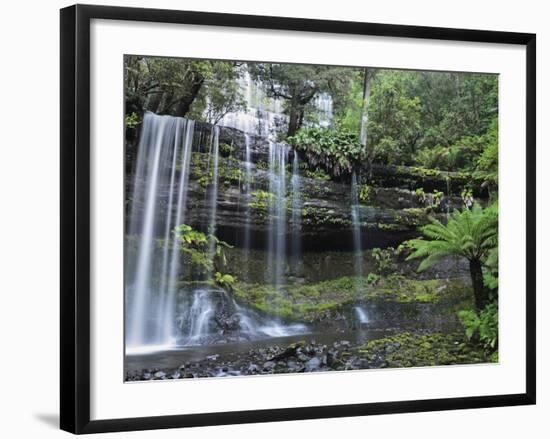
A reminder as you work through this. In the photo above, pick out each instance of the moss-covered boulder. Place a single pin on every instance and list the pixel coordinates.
(414, 350)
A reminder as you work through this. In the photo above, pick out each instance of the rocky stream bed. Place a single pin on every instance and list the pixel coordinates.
(309, 355)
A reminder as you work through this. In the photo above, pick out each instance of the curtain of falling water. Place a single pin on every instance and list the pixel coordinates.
(277, 231)
(160, 139)
(356, 224)
(213, 205)
(296, 216)
(247, 193)
(166, 317)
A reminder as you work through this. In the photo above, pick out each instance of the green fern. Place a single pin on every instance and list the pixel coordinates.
(471, 234)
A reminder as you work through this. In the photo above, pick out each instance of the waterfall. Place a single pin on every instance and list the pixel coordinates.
(264, 114)
(278, 154)
(356, 227)
(323, 104)
(296, 215)
(166, 315)
(200, 314)
(170, 267)
(361, 315)
(213, 203)
(247, 192)
(150, 306)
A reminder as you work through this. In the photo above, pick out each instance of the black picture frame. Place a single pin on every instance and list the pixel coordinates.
(75, 217)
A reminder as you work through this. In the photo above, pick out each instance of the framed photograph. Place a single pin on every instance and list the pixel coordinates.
(272, 218)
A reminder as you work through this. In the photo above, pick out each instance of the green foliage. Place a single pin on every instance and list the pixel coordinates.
(434, 119)
(226, 149)
(364, 193)
(132, 120)
(181, 87)
(225, 280)
(432, 200)
(229, 171)
(420, 193)
(394, 117)
(317, 174)
(316, 301)
(262, 164)
(260, 200)
(490, 276)
(470, 234)
(407, 350)
(298, 84)
(372, 278)
(205, 251)
(482, 326)
(383, 258)
(336, 150)
(433, 157)
(487, 163)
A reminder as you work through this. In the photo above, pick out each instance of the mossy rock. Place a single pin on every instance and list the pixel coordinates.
(435, 349)
(327, 299)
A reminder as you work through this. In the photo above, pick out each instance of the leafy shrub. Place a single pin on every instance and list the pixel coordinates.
(487, 163)
(383, 258)
(434, 157)
(205, 251)
(364, 193)
(336, 150)
(132, 120)
(260, 200)
(226, 149)
(482, 326)
(224, 280)
(317, 174)
(372, 278)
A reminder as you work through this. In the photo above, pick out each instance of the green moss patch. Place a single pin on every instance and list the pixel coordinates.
(408, 350)
(321, 300)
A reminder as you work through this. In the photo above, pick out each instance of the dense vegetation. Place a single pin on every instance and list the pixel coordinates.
(445, 121)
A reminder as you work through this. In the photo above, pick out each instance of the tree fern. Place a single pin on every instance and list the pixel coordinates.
(472, 234)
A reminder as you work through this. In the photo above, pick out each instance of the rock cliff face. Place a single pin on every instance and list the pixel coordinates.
(389, 213)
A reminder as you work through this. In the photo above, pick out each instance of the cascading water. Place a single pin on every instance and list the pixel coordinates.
(323, 104)
(159, 199)
(163, 139)
(160, 315)
(356, 227)
(171, 266)
(278, 155)
(361, 314)
(261, 114)
(247, 192)
(200, 314)
(213, 204)
(264, 114)
(296, 215)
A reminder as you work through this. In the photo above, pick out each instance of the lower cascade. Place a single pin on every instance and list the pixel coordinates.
(361, 314)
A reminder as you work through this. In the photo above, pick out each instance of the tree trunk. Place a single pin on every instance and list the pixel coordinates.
(293, 119)
(185, 103)
(364, 111)
(369, 74)
(481, 294)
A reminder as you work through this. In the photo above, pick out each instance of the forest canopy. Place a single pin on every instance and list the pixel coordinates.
(439, 120)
